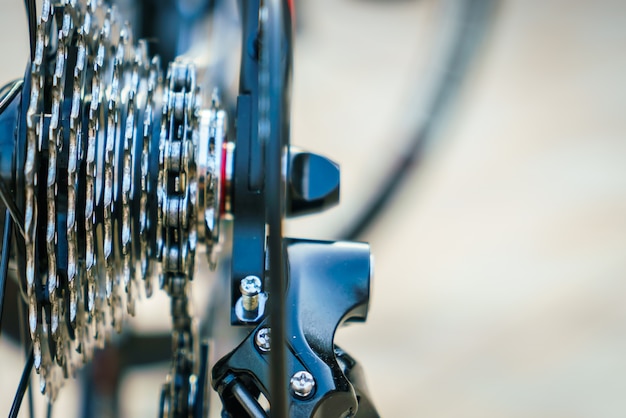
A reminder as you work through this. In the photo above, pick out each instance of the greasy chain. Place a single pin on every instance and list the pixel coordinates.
(98, 108)
(176, 231)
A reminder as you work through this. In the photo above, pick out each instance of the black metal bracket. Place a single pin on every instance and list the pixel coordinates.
(328, 283)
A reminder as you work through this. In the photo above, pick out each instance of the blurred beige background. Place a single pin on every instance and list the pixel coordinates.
(501, 266)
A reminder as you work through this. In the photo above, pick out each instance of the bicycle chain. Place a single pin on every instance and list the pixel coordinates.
(176, 236)
(91, 124)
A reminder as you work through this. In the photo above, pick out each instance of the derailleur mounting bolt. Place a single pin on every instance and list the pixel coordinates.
(250, 287)
(262, 339)
(302, 383)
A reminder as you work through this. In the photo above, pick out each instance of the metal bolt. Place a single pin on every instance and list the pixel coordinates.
(302, 383)
(262, 339)
(250, 287)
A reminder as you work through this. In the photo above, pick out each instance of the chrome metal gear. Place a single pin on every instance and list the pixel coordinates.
(104, 137)
(213, 160)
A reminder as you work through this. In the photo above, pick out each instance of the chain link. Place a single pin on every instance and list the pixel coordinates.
(176, 191)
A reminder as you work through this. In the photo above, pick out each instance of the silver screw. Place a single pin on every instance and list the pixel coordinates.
(262, 339)
(302, 383)
(250, 287)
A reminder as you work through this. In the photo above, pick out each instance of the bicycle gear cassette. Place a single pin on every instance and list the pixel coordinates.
(118, 169)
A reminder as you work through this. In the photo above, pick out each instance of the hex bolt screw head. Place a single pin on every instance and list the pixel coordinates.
(250, 287)
(302, 383)
(262, 339)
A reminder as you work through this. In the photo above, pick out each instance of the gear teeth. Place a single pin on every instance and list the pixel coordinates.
(128, 142)
(109, 151)
(34, 131)
(153, 81)
(83, 287)
(97, 109)
(72, 180)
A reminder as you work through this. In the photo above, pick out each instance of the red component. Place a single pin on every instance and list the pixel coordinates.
(222, 180)
(292, 10)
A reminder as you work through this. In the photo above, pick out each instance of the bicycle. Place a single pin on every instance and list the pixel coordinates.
(99, 136)
(242, 393)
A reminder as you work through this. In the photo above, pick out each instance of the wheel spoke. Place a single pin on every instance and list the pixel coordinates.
(23, 336)
(12, 208)
(4, 263)
(5, 194)
(21, 388)
(14, 88)
(275, 34)
(31, 15)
